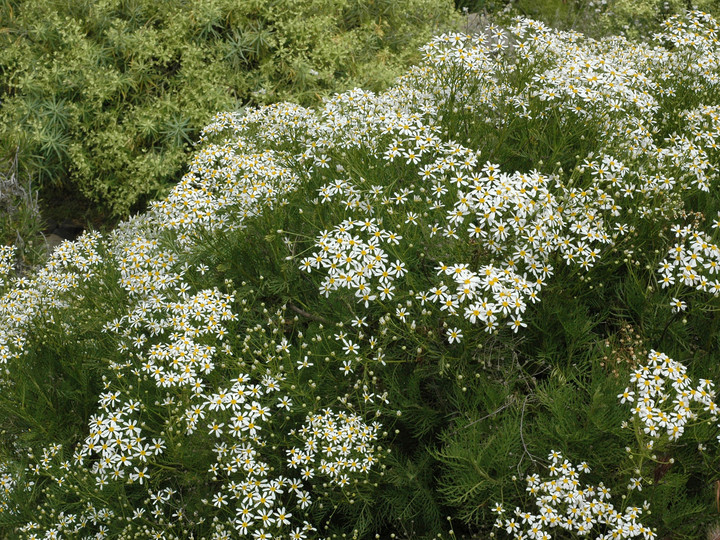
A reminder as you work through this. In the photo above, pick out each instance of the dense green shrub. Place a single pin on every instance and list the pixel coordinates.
(105, 97)
(482, 302)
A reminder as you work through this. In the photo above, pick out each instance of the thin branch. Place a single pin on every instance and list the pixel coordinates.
(306, 314)
(522, 438)
(672, 319)
(509, 402)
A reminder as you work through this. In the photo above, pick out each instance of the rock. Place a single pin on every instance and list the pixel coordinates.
(53, 240)
(476, 23)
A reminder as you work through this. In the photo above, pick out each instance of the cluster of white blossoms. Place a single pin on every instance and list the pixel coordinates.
(116, 441)
(614, 85)
(661, 173)
(184, 356)
(613, 81)
(180, 360)
(70, 524)
(520, 224)
(145, 269)
(240, 420)
(235, 180)
(518, 221)
(663, 398)
(7, 254)
(29, 299)
(599, 83)
(696, 59)
(694, 261)
(8, 482)
(251, 491)
(335, 445)
(480, 70)
(703, 125)
(692, 154)
(563, 503)
(236, 418)
(353, 258)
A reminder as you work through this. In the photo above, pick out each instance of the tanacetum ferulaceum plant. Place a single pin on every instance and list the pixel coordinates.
(370, 319)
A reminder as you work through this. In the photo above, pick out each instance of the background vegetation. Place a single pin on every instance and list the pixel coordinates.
(103, 99)
(595, 18)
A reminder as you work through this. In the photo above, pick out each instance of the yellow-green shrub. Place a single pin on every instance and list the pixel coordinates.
(105, 96)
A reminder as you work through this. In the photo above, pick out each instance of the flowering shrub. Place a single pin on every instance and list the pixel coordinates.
(369, 318)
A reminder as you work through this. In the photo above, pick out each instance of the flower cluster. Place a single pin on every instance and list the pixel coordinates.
(8, 483)
(237, 418)
(696, 61)
(183, 358)
(521, 224)
(233, 181)
(664, 395)
(353, 257)
(334, 444)
(29, 299)
(693, 261)
(566, 504)
(241, 419)
(520, 220)
(71, 523)
(7, 253)
(118, 442)
(600, 83)
(144, 268)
